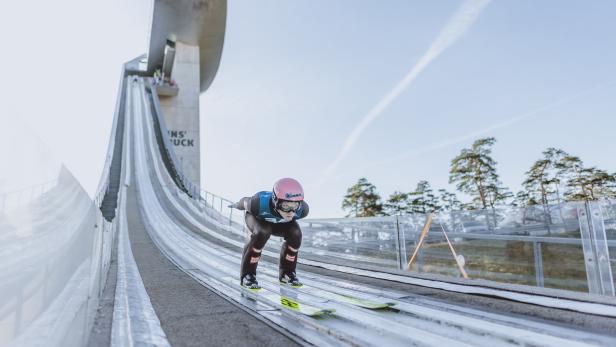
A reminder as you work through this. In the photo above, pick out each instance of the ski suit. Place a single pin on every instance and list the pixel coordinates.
(263, 221)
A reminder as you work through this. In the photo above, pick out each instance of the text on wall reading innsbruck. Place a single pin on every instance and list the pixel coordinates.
(178, 138)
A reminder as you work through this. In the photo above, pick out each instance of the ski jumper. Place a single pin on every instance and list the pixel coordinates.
(263, 220)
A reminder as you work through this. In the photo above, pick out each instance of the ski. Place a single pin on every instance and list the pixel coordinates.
(294, 305)
(347, 299)
(251, 289)
(287, 284)
(369, 304)
(283, 301)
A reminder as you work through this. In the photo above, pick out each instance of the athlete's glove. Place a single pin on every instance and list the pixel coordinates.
(236, 205)
(240, 205)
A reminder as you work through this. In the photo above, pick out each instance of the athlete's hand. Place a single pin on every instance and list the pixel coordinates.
(240, 205)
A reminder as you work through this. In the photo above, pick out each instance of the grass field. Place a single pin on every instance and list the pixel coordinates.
(509, 262)
(496, 260)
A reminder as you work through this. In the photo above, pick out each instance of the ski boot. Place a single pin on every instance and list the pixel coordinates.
(250, 281)
(290, 278)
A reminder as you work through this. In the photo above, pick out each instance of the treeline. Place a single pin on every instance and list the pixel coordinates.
(554, 178)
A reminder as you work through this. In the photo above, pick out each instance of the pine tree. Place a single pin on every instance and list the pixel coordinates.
(397, 204)
(496, 192)
(448, 201)
(602, 184)
(422, 199)
(362, 200)
(526, 203)
(523, 199)
(572, 168)
(591, 184)
(474, 173)
(538, 183)
(543, 179)
(586, 184)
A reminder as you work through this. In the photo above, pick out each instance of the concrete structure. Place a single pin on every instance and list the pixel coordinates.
(182, 111)
(198, 23)
(186, 41)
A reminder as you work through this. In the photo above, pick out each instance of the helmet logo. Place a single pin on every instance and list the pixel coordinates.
(291, 195)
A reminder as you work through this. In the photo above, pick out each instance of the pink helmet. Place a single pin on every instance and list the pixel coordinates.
(288, 189)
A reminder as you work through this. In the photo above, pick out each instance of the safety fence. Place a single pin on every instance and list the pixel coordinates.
(567, 246)
(56, 249)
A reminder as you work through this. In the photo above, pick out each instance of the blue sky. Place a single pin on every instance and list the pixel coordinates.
(297, 77)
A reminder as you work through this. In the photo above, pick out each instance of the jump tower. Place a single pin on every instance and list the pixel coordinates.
(186, 41)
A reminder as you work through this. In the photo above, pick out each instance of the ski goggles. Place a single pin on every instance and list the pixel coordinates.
(287, 206)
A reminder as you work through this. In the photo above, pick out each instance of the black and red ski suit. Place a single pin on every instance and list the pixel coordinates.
(263, 220)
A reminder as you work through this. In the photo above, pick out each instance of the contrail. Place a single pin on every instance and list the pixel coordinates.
(491, 128)
(457, 26)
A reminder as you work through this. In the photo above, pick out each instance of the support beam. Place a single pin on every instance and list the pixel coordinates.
(594, 243)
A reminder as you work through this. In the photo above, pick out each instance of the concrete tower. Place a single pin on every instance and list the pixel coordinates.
(186, 43)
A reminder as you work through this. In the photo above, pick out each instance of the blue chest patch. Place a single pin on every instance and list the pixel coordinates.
(266, 213)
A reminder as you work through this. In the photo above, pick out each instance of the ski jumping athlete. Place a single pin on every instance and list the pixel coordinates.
(273, 213)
